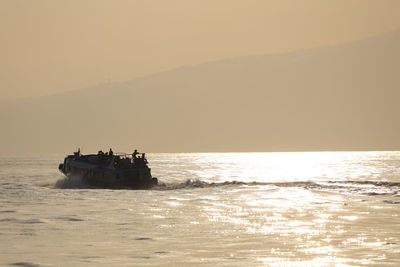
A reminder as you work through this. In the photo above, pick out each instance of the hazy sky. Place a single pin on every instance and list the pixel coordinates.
(53, 46)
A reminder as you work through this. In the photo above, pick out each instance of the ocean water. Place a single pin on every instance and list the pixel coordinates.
(216, 209)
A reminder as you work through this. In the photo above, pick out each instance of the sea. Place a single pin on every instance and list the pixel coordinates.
(210, 209)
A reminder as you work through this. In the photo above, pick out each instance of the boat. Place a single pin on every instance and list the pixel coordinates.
(109, 170)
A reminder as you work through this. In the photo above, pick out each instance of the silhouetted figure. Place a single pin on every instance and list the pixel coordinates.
(100, 152)
(135, 153)
(144, 158)
(77, 154)
(110, 152)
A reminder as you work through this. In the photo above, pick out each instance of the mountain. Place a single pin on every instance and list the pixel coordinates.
(339, 97)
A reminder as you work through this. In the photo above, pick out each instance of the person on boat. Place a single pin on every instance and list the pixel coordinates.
(110, 152)
(77, 154)
(144, 158)
(135, 153)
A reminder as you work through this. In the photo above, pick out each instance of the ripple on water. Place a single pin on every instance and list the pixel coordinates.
(31, 221)
(143, 238)
(25, 264)
(391, 202)
(142, 257)
(161, 252)
(70, 219)
(8, 211)
(8, 220)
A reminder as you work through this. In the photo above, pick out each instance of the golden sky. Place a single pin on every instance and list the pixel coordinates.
(51, 46)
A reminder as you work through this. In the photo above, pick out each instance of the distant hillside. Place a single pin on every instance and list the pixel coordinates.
(342, 97)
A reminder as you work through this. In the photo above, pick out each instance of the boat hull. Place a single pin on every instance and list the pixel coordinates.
(133, 178)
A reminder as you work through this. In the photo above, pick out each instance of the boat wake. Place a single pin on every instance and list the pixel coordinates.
(359, 187)
(69, 182)
(351, 186)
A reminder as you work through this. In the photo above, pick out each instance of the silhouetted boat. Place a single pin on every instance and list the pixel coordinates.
(109, 170)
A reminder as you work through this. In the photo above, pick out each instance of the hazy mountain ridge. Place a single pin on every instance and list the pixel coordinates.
(342, 97)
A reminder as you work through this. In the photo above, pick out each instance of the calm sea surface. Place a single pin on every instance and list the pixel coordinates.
(222, 209)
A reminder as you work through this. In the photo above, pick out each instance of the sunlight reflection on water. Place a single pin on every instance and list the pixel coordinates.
(280, 166)
(286, 209)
